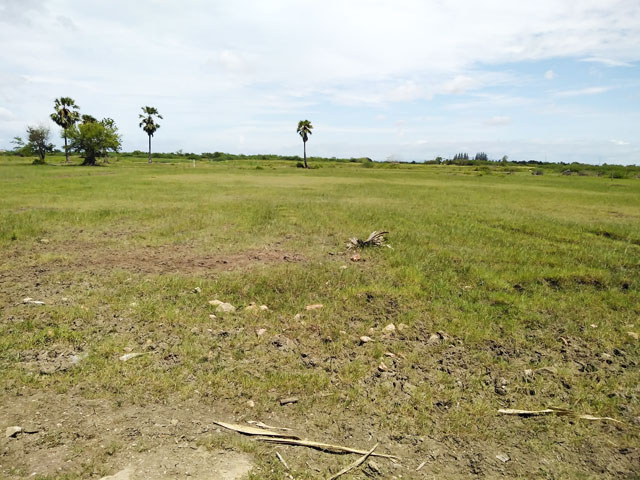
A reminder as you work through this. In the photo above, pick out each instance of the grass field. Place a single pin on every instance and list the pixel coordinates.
(505, 290)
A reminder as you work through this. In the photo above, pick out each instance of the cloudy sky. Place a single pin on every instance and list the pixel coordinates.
(406, 79)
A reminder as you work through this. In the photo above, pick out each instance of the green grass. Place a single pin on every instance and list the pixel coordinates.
(513, 268)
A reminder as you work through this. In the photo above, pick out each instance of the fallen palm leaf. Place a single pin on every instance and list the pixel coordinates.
(326, 447)
(376, 239)
(254, 431)
(552, 411)
(129, 356)
(355, 464)
(282, 461)
(268, 427)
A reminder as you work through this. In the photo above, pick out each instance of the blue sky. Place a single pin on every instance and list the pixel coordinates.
(405, 79)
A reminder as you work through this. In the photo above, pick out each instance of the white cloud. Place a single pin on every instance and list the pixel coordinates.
(582, 91)
(6, 114)
(609, 62)
(498, 120)
(619, 142)
(549, 75)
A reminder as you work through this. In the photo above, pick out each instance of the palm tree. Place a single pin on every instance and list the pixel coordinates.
(304, 130)
(149, 124)
(66, 115)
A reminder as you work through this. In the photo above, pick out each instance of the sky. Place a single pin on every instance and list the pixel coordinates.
(553, 80)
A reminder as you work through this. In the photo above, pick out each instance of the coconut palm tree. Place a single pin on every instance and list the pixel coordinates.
(148, 123)
(304, 130)
(66, 115)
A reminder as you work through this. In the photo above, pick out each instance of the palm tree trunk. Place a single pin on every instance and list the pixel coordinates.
(305, 154)
(149, 149)
(66, 149)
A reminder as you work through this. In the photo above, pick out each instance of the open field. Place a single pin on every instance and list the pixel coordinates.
(506, 291)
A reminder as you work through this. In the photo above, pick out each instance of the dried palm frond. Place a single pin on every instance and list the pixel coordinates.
(376, 239)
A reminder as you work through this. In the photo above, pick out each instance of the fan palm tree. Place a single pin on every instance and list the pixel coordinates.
(149, 124)
(66, 115)
(304, 130)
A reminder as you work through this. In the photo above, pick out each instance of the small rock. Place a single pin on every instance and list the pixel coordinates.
(315, 306)
(364, 339)
(288, 400)
(503, 457)
(402, 327)
(215, 303)
(44, 240)
(11, 432)
(195, 330)
(605, 356)
(355, 258)
(264, 308)
(251, 404)
(212, 316)
(343, 267)
(174, 421)
(633, 335)
(433, 339)
(297, 317)
(225, 308)
(501, 386)
(64, 299)
(383, 367)
(261, 331)
(197, 290)
(390, 354)
(391, 328)
(528, 372)
(283, 343)
(593, 325)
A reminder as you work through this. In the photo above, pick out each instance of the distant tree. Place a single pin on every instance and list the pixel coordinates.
(18, 147)
(481, 156)
(304, 130)
(504, 159)
(94, 140)
(461, 156)
(65, 116)
(38, 143)
(149, 124)
(438, 160)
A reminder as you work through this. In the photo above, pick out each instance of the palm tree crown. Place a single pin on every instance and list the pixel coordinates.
(65, 115)
(304, 129)
(148, 123)
(66, 112)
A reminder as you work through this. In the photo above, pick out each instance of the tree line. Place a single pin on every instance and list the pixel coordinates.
(83, 134)
(93, 139)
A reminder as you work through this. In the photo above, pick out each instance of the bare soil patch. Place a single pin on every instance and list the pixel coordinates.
(94, 439)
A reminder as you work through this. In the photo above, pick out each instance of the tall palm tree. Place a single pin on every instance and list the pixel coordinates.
(66, 115)
(149, 124)
(304, 130)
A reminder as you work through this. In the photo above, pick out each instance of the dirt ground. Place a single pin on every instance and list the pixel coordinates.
(151, 442)
(69, 432)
